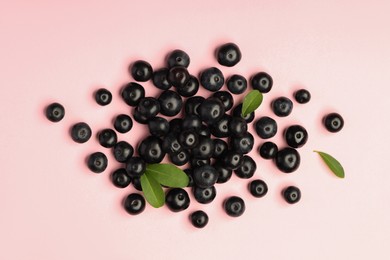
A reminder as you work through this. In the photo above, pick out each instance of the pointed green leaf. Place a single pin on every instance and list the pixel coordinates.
(251, 102)
(332, 163)
(152, 190)
(168, 175)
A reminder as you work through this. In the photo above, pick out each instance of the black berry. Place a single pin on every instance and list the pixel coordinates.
(237, 126)
(291, 194)
(191, 122)
(220, 147)
(190, 89)
(158, 126)
(247, 168)
(205, 176)
(103, 97)
(287, 160)
(80, 132)
(211, 110)
(204, 195)
(141, 71)
(199, 219)
(228, 54)
(262, 82)
(220, 128)
(179, 158)
(178, 76)
(123, 123)
(204, 149)
(178, 58)
(120, 178)
(160, 79)
(237, 84)
(97, 162)
(296, 136)
(333, 122)
(268, 150)
(135, 167)
(282, 106)
(132, 93)
(243, 144)
(188, 138)
(232, 159)
(151, 150)
(266, 127)
(171, 143)
(258, 188)
(136, 181)
(148, 107)
(123, 151)
(192, 104)
(55, 112)
(170, 103)
(234, 206)
(107, 138)
(177, 199)
(134, 204)
(224, 174)
(226, 99)
(302, 96)
(212, 79)
(237, 113)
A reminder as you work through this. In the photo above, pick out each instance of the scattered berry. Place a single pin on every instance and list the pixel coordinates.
(107, 138)
(296, 136)
(234, 206)
(178, 58)
(199, 219)
(258, 188)
(333, 122)
(81, 132)
(97, 162)
(103, 97)
(228, 54)
(268, 150)
(141, 71)
(302, 96)
(291, 194)
(177, 199)
(282, 106)
(236, 84)
(55, 112)
(287, 160)
(132, 93)
(123, 151)
(120, 178)
(212, 79)
(266, 127)
(123, 123)
(134, 204)
(262, 82)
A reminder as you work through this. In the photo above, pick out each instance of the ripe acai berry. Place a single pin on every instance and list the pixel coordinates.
(120, 178)
(228, 54)
(287, 160)
(220, 128)
(97, 162)
(135, 167)
(302, 96)
(192, 104)
(190, 179)
(55, 112)
(123, 123)
(188, 138)
(224, 174)
(296, 136)
(80, 132)
(150, 149)
(205, 176)
(190, 89)
(170, 103)
(103, 97)
(148, 107)
(204, 149)
(178, 76)
(211, 110)
(247, 168)
(123, 151)
(237, 84)
(243, 144)
(139, 118)
(234, 206)
(204, 195)
(333, 122)
(178, 58)
(141, 71)
(266, 127)
(262, 82)
(226, 99)
(291, 194)
(179, 158)
(220, 147)
(212, 79)
(237, 113)
(158, 126)
(258, 188)
(132, 93)
(160, 79)
(191, 122)
(237, 126)
(134, 204)
(199, 219)
(171, 143)
(196, 162)
(177, 199)
(107, 138)
(282, 106)
(136, 181)
(232, 159)
(268, 150)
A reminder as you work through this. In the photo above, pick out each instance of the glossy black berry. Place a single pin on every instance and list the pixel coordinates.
(175, 125)
(178, 76)
(199, 219)
(266, 127)
(237, 113)
(171, 143)
(287, 160)
(237, 84)
(234, 206)
(160, 79)
(178, 58)
(123, 123)
(224, 174)
(123, 151)
(291, 194)
(97, 162)
(188, 138)
(179, 158)
(220, 128)
(237, 126)
(158, 126)
(258, 188)
(220, 147)
(120, 178)
(302, 96)
(55, 112)
(190, 89)
(333, 122)
(107, 138)
(150, 149)
(132, 93)
(226, 99)
(204, 195)
(196, 162)
(141, 71)
(211, 110)
(139, 118)
(204, 149)
(262, 82)
(204, 131)
(192, 105)
(189, 174)
(191, 122)
(80, 132)
(296, 136)
(205, 176)
(268, 150)
(103, 97)
(243, 144)
(177, 199)
(170, 103)
(228, 54)
(212, 79)
(232, 159)
(247, 168)
(135, 167)
(134, 204)
(282, 106)
(136, 181)
(148, 107)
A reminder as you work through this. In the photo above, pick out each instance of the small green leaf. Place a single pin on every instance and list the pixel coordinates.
(251, 102)
(152, 190)
(168, 175)
(332, 163)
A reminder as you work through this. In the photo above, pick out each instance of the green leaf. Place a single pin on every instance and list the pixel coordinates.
(168, 175)
(332, 163)
(251, 102)
(152, 190)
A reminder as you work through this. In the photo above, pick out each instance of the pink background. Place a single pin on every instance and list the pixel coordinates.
(52, 207)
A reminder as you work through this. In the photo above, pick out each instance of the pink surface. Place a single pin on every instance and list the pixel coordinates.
(52, 207)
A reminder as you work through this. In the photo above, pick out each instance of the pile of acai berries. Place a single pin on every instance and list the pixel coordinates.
(211, 142)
